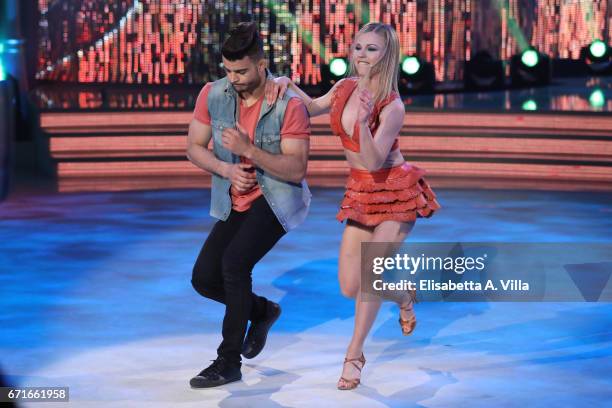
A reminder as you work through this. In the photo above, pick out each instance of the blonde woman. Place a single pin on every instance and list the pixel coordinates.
(384, 194)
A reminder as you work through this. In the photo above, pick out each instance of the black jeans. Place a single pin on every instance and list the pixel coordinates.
(222, 271)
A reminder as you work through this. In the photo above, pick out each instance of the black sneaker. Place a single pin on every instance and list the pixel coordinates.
(258, 332)
(218, 373)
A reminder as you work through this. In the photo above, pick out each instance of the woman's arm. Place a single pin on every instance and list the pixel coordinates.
(374, 150)
(316, 106)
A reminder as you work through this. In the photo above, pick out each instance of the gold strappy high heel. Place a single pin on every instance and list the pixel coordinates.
(350, 384)
(409, 325)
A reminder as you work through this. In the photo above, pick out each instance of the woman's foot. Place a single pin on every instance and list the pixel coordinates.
(407, 319)
(351, 373)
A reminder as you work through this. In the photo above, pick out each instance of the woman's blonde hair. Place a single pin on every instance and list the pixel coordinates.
(387, 67)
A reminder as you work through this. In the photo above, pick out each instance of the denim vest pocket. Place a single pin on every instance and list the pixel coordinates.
(217, 129)
(270, 142)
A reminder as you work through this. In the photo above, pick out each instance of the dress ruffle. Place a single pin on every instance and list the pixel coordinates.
(398, 194)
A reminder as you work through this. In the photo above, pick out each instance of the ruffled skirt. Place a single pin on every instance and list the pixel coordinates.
(398, 193)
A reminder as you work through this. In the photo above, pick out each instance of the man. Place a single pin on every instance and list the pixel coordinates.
(258, 164)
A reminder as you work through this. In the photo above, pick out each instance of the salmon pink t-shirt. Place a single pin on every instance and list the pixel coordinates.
(296, 125)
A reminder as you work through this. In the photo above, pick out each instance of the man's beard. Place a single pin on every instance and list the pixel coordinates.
(249, 88)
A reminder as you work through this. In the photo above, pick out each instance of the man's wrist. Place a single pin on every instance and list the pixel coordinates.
(223, 169)
(249, 152)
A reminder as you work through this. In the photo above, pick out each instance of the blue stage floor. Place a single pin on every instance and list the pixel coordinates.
(96, 295)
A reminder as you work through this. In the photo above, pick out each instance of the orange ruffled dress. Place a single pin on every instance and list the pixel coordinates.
(398, 193)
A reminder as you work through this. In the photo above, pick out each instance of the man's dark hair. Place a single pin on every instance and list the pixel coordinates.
(243, 40)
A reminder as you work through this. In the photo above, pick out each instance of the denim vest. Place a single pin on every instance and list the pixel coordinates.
(289, 201)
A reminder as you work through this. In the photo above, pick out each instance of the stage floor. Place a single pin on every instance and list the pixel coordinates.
(96, 295)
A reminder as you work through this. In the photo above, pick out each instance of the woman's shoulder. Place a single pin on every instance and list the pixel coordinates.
(346, 81)
(393, 97)
(392, 104)
(341, 87)
(344, 84)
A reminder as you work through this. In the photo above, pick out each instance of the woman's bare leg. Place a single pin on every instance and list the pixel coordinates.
(349, 264)
(366, 311)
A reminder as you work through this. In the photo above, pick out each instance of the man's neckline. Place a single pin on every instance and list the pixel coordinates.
(243, 101)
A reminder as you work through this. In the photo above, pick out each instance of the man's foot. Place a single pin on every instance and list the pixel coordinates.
(258, 331)
(218, 373)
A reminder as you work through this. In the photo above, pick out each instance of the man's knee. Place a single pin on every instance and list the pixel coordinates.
(202, 282)
(201, 287)
(235, 270)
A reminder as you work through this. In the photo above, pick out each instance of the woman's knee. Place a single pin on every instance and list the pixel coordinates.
(348, 277)
(349, 289)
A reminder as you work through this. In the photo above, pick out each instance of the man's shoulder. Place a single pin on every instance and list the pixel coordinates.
(292, 98)
(215, 88)
(218, 82)
(291, 94)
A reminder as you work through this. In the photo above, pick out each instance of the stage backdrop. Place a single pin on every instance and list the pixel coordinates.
(179, 41)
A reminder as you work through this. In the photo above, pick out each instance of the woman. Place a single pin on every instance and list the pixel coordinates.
(384, 194)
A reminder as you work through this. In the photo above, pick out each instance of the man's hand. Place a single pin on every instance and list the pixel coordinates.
(242, 177)
(236, 140)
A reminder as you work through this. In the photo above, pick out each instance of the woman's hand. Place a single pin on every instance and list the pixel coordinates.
(365, 106)
(276, 88)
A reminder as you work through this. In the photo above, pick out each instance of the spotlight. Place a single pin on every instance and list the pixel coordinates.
(597, 99)
(598, 57)
(411, 65)
(598, 49)
(333, 72)
(338, 67)
(530, 58)
(416, 76)
(529, 105)
(483, 72)
(530, 68)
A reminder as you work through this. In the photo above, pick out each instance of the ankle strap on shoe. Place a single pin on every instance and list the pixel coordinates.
(360, 359)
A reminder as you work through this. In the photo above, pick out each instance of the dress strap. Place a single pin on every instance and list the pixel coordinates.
(374, 122)
(342, 93)
(340, 97)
